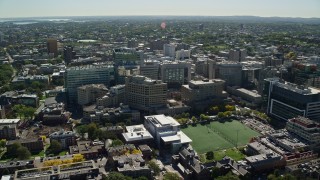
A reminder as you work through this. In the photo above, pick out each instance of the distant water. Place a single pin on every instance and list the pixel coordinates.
(24, 23)
(87, 40)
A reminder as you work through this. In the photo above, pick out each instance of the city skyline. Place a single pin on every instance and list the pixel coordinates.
(271, 8)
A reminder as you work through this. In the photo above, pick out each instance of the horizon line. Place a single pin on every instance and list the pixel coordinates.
(146, 15)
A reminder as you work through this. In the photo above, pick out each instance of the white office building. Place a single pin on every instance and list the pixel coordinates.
(166, 132)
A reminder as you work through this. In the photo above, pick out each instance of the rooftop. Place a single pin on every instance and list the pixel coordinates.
(136, 132)
(162, 120)
(9, 121)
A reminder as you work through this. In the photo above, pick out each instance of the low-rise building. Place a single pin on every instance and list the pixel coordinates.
(13, 166)
(66, 138)
(8, 132)
(166, 132)
(137, 135)
(305, 129)
(33, 145)
(119, 150)
(80, 170)
(189, 165)
(88, 149)
(262, 162)
(53, 113)
(132, 165)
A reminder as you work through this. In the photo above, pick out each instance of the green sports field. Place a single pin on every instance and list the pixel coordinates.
(217, 135)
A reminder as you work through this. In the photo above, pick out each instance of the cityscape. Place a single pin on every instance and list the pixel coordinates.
(159, 96)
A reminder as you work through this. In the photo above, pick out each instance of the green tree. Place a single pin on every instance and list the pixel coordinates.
(55, 147)
(116, 176)
(116, 142)
(221, 115)
(194, 119)
(215, 172)
(82, 130)
(92, 127)
(23, 153)
(154, 167)
(3, 143)
(228, 176)
(12, 150)
(209, 155)
(171, 176)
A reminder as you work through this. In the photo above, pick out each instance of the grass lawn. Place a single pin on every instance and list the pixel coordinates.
(204, 139)
(230, 128)
(233, 153)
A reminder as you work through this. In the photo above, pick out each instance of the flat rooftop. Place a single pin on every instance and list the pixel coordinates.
(9, 121)
(180, 136)
(251, 93)
(162, 120)
(136, 133)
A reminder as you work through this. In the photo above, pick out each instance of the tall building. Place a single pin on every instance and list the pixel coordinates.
(127, 62)
(83, 75)
(157, 44)
(175, 73)
(231, 72)
(68, 54)
(183, 54)
(145, 94)
(169, 50)
(306, 74)
(127, 57)
(52, 46)
(237, 55)
(204, 90)
(285, 100)
(150, 69)
(89, 93)
(205, 67)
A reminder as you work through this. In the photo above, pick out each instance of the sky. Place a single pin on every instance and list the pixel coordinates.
(265, 8)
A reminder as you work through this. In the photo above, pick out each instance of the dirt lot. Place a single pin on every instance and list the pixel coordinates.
(35, 131)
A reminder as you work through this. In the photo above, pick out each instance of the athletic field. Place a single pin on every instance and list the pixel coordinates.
(217, 136)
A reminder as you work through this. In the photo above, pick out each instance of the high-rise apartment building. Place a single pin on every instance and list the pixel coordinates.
(83, 75)
(175, 73)
(237, 55)
(145, 94)
(68, 54)
(285, 100)
(52, 46)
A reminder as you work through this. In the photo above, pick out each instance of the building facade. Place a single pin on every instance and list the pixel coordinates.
(83, 75)
(89, 93)
(285, 100)
(145, 94)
